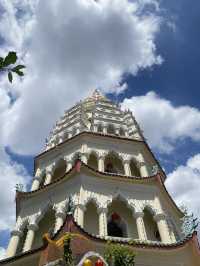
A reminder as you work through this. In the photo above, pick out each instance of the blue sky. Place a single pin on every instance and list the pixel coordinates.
(174, 82)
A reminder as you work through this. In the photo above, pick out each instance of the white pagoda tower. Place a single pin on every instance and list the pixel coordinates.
(97, 157)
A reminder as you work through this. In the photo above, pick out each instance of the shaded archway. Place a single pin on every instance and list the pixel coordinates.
(134, 169)
(121, 222)
(121, 132)
(91, 218)
(111, 129)
(113, 164)
(93, 161)
(150, 226)
(100, 128)
(45, 225)
(60, 169)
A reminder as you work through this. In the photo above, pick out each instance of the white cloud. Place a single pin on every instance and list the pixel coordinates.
(163, 123)
(72, 47)
(183, 184)
(2, 253)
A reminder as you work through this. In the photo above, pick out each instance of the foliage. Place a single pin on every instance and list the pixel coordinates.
(68, 258)
(5, 66)
(119, 255)
(189, 222)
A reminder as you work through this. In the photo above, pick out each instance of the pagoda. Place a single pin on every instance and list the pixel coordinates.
(98, 180)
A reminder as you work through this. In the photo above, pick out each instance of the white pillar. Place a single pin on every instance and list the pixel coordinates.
(14, 242)
(95, 128)
(126, 133)
(117, 131)
(163, 229)
(140, 225)
(103, 221)
(37, 180)
(84, 158)
(49, 174)
(127, 169)
(101, 167)
(69, 164)
(60, 218)
(69, 134)
(30, 237)
(104, 129)
(80, 213)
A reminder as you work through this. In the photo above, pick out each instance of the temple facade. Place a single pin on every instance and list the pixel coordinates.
(97, 158)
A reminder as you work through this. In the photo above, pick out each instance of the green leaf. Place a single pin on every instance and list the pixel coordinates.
(17, 68)
(19, 73)
(1, 62)
(10, 77)
(11, 58)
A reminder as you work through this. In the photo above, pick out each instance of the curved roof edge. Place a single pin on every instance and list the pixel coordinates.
(77, 167)
(136, 244)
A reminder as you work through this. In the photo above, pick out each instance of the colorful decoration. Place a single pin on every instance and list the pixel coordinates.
(99, 262)
(87, 262)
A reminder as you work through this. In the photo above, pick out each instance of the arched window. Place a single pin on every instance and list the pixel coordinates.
(100, 128)
(60, 169)
(113, 164)
(121, 222)
(121, 132)
(46, 224)
(93, 161)
(134, 170)
(111, 129)
(151, 226)
(91, 219)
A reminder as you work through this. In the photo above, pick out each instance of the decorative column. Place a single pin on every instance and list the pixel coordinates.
(60, 218)
(80, 214)
(32, 228)
(60, 138)
(117, 131)
(127, 169)
(14, 242)
(49, 174)
(95, 128)
(69, 134)
(103, 221)
(101, 159)
(163, 229)
(37, 180)
(126, 133)
(140, 225)
(104, 129)
(69, 164)
(142, 166)
(84, 157)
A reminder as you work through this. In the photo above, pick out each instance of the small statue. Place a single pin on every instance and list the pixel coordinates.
(70, 206)
(19, 187)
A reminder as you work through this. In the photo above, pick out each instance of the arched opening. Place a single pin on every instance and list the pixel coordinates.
(111, 129)
(60, 170)
(113, 164)
(121, 132)
(134, 170)
(91, 219)
(150, 226)
(46, 224)
(93, 161)
(121, 222)
(100, 128)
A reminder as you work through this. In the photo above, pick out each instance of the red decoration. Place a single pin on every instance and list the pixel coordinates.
(115, 216)
(99, 262)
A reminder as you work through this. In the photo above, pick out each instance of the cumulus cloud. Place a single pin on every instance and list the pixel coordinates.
(2, 253)
(183, 184)
(163, 123)
(71, 48)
